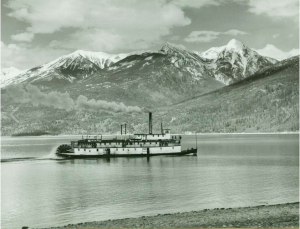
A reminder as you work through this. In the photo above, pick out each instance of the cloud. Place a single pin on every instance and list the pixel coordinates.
(235, 32)
(274, 8)
(274, 52)
(201, 36)
(175, 38)
(27, 37)
(271, 8)
(197, 3)
(208, 36)
(82, 103)
(63, 100)
(97, 39)
(25, 57)
(103, 25)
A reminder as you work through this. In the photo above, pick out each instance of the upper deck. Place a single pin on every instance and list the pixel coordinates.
(130, 137)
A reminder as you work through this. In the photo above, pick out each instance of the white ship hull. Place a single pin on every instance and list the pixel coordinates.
(150, 153)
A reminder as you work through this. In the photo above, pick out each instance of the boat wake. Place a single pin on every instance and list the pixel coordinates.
(50, 156)
(27, 159)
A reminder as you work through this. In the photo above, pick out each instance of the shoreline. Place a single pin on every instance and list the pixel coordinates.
(187, 134)
(262, 216)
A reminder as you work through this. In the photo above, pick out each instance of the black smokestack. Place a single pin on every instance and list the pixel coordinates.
(150, 122)
(121, 129)
(161, 127)
(125, 128)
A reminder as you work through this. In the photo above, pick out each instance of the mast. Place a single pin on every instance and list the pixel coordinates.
(196, 141)
(161, 127)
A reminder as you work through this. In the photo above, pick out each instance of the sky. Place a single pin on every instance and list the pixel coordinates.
(34, 32)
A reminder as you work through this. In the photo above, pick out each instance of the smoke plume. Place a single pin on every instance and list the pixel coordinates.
(58, 100)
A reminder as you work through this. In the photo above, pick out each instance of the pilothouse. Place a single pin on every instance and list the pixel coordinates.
(126, 145)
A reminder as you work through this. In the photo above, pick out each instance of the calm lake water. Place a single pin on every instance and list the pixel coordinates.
(39, 190)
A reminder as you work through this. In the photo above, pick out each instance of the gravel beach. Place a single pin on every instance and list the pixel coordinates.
(270, 216)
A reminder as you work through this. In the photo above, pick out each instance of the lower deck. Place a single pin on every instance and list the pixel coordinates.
(127, 150)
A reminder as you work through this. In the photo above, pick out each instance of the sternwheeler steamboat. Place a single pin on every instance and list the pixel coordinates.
(126, 145)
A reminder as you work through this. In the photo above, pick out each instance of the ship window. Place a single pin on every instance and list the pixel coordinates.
(153, 135)
(160, 148)
(134, 148)
(97, 150)
(117, 149)
(173, 147)
(123, 149)
(89, 151)
(84, 149)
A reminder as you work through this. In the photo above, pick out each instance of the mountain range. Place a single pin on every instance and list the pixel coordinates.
(228, 63)
(145, 78)
(157, 80)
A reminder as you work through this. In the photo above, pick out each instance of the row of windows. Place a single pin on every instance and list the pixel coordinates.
(98, 150)
(123, 149)
(118, 149)
(131, 143)
(153, 135)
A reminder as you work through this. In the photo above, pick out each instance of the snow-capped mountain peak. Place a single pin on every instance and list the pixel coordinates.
(7, 72)
(172, 47)
(235, 61)
(89, 54)
(83, 60)
(181, 52)
(8, 75)
(235, 45)
(212, 53)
